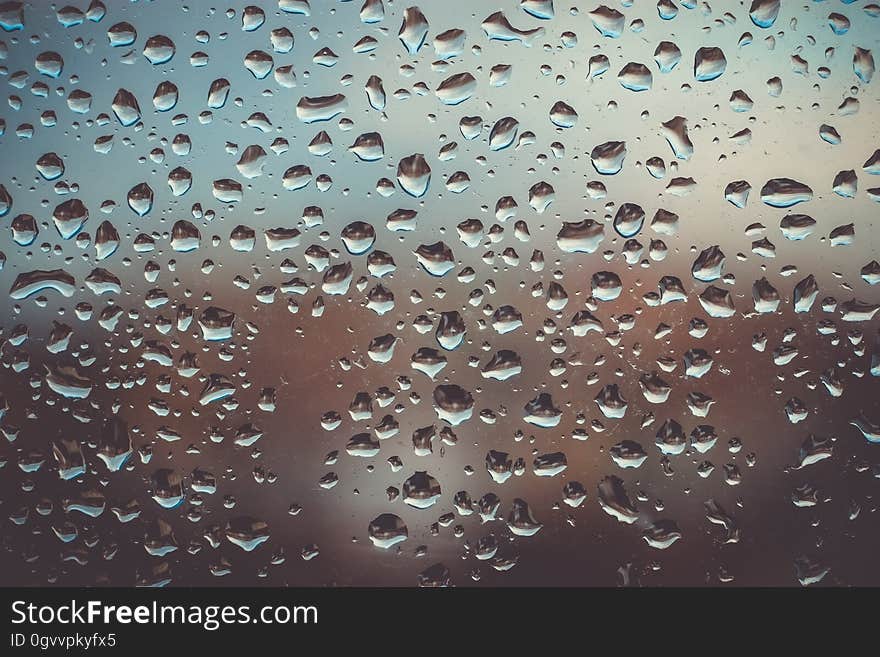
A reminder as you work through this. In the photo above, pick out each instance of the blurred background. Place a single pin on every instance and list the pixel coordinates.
(318, 364)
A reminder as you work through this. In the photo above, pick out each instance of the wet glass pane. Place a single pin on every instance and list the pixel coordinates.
(318, 292)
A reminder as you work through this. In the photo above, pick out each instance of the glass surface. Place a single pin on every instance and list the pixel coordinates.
(509, 293)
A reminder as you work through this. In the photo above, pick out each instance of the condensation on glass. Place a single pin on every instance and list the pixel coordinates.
(536, 292)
